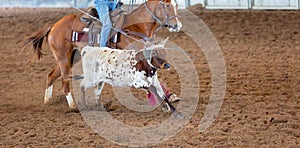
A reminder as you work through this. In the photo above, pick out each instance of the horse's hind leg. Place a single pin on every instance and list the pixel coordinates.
(65, 68)
(52, 76)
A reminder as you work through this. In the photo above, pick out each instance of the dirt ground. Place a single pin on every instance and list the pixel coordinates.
(261, 107)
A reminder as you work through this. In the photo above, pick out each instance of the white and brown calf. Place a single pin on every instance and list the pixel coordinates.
(124, 68)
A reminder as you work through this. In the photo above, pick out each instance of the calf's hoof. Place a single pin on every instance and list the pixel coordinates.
(166, 108)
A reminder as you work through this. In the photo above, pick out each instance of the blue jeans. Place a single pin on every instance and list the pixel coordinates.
(103, 7)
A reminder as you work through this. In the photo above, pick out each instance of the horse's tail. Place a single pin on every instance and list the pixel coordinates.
(37, 40)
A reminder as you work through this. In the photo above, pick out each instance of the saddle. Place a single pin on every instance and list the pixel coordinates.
(86, 24)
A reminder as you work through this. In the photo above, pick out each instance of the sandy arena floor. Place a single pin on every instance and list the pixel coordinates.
(261, 106)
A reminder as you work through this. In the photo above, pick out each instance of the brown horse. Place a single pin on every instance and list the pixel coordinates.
(145, 20)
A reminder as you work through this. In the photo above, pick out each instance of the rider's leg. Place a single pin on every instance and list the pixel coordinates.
(103, 12)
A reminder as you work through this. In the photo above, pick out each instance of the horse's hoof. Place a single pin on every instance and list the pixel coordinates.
(107, 106)
(73, 106)
(46, 102)
(73, 110)
(174, 98)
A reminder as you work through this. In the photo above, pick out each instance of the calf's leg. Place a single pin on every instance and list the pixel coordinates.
(83, 96)
(98, 91)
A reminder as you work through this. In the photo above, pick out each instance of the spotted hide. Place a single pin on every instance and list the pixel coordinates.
(124, 68)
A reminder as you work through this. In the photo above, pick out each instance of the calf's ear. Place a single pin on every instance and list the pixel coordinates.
(161, 43)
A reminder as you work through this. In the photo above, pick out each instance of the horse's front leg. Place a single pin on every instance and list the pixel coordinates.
(157, 90)
(170, 96)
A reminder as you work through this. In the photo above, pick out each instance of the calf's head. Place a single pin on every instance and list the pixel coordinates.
(153, 57)
(158, 59)
(155, 53)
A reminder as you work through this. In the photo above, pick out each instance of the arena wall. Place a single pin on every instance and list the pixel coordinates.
(251, 4)
(209, 4)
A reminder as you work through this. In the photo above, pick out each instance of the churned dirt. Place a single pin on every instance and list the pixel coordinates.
(261, 107)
